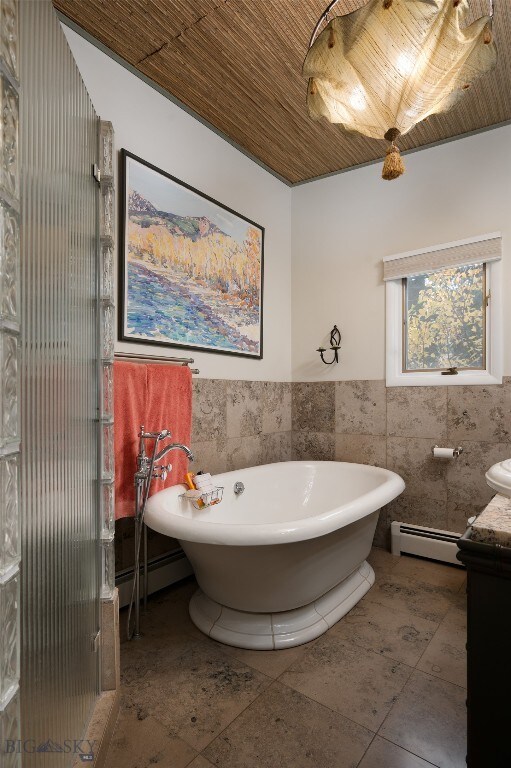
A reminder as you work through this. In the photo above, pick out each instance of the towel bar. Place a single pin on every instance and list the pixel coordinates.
(158, 359)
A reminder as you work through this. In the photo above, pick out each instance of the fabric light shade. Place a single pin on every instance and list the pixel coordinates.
(392, 63)
(438, 257)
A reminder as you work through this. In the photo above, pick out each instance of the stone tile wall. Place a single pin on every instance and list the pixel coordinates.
(239, 424)
(236, 424)
(363, 421)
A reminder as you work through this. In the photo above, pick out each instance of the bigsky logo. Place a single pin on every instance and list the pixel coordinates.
(81, 747)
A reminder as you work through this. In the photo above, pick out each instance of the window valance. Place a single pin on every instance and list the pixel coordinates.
(476, 251)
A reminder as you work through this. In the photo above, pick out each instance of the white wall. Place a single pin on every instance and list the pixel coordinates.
(152, 127)
(344, 225)
(338, 229)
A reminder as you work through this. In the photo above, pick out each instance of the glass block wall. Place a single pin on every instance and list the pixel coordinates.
(107, 333)
(9, 386)
(60, 391)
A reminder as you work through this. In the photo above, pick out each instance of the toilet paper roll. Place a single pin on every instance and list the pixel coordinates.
(443, 453)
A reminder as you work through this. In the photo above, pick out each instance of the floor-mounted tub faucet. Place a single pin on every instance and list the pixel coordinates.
(174, 447)
(148, 467)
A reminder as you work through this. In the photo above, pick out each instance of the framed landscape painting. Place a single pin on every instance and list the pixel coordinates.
(191, 269)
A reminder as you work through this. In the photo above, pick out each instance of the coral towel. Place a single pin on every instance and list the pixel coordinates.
(159, 397)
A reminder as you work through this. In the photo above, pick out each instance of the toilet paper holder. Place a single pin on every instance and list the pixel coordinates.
(446, 453)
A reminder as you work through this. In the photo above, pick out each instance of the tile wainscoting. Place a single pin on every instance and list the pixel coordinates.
(239, 424)
(396, 427)
(236, 424)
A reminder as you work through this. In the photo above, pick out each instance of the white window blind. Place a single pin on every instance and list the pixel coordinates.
(476, 251)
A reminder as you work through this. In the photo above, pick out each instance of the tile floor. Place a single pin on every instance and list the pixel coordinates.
(384, 688)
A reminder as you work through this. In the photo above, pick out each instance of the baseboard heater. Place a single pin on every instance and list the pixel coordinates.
(424, 542)
(163, 571)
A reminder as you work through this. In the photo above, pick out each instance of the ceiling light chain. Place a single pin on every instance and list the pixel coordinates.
(324, 17)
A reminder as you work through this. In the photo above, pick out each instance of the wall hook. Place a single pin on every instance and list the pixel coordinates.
(335, 345)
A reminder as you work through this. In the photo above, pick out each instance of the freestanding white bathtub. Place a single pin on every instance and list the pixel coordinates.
(283, 561)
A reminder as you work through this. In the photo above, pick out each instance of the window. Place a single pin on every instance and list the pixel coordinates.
(443, 314)
(444, 324)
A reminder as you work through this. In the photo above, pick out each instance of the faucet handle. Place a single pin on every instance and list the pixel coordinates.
(161, 471)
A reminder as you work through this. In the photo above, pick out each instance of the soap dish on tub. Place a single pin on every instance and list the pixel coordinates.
(206, 499)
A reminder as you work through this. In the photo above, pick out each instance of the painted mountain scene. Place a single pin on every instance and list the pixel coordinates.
(193, 269)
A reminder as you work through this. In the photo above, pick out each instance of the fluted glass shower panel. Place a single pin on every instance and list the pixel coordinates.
(59, 383)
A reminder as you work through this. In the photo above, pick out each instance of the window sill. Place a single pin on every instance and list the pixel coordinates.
(469, 378)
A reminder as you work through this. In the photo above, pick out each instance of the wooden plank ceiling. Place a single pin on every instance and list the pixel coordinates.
(237, 63)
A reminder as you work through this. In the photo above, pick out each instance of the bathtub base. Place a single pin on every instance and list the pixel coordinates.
(272, 631)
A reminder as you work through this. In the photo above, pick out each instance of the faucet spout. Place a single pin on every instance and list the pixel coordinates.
(173, 447)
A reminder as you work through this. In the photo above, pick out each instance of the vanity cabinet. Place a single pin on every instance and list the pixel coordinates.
(488, 652)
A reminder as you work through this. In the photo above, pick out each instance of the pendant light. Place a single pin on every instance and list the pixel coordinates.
(383, 68)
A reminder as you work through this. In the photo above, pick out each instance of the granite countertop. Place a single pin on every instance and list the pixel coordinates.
(493, 525)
